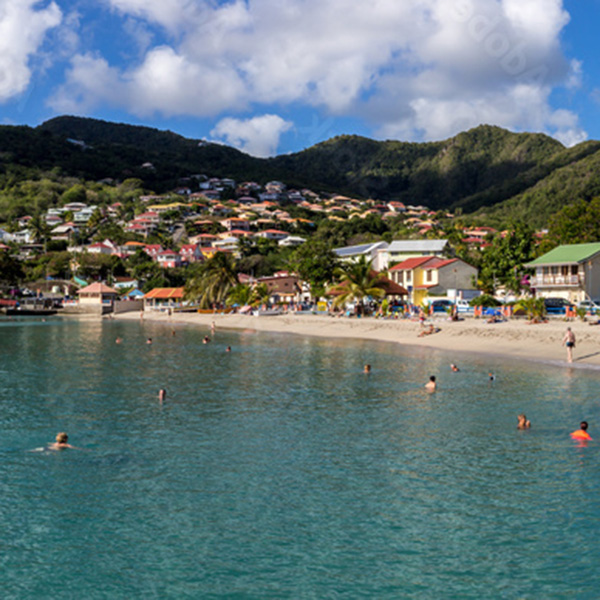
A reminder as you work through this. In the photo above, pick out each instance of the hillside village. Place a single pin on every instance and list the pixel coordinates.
(181, 231)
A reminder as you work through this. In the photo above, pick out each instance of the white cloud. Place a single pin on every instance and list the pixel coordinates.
(422, 69)
(23, 27)
(258, 136)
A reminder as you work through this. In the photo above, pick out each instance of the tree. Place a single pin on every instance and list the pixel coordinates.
(216, 278)
(357, 281)
(576, 223)
(241, 295)
(39, 229)
(502, 262)
(11, 270)
(315, 263)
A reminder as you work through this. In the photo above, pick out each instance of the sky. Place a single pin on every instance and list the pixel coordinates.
(277, 76)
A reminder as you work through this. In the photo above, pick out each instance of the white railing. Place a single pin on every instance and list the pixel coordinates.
(557, 280)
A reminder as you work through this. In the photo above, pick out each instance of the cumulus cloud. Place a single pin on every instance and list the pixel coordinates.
(417, 69)
(23, 26)
(258, 136)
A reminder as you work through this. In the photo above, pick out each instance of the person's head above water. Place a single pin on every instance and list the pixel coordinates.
(62, 438)
(583, 425)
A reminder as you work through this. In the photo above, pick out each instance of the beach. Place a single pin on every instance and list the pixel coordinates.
(515, 338)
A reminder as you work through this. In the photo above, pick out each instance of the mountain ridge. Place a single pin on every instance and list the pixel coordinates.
(488, 171)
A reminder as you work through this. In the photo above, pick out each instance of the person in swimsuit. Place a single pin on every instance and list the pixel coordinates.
(523, 423)
(367, 369)
(581, 434)
(431, 385)
(569, 342)
(454, 368)
(61, 442)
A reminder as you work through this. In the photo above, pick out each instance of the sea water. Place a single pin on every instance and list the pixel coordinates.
(281, 470)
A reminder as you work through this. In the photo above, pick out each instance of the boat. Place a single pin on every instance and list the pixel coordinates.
(267, 312)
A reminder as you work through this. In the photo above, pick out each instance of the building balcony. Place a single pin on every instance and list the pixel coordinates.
(570, 281)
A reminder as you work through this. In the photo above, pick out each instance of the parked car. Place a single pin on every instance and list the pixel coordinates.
(590, 306)
(463, 306)
(440, 306)
(557, 306)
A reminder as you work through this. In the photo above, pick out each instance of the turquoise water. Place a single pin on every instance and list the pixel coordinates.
(280, 470)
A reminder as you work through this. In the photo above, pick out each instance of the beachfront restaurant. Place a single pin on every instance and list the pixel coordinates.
(164, 298)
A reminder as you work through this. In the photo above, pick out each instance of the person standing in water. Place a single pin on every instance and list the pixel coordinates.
(569, 342)
(431, 385)
(523, 422)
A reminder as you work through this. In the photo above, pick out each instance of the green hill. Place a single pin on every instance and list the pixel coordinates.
(487, 171)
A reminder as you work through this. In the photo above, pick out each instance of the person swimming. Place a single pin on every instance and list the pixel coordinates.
(162, 395)
(523, 422)
(454, 368)
(431, 385)
(149, 341)
(228, 349)
(581, 434)
(367, 369)
(61, 442)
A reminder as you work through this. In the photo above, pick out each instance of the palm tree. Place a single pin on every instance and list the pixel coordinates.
(241, 295)
(357, 281)
(214, 281)
(39, 229)
(534, 307)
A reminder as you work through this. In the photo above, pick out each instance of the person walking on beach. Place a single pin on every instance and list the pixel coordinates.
(581, 434)
(569, 342)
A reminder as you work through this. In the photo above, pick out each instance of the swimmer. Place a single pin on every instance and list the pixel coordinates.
(173, 332)
(118, 340)
(523, 422)
(206, 340)
(228, 349)
(162, 395)
(367, 369)
(581, 434)
(492, 377)
(212, 328)
(431, 385)
(149, 341)
(454, 368)
(61, 442)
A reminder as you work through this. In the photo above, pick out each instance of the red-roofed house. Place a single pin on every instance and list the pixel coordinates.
(153, 250)
(236, 223)
(168, 259)
(431, 275)
(191, 253)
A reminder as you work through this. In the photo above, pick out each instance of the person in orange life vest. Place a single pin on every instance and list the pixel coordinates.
(581, 433)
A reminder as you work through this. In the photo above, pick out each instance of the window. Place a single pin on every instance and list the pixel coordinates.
(429, 276)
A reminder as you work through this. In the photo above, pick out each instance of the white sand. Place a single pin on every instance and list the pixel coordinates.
(514, 339)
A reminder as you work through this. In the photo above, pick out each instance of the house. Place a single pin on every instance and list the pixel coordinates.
(64, 231)
(283, 287)
(370, 251)
(236, 223)
(571, 272)
(401, 250)
(97, 297)
(273, 234)
(430, 275)
(153, 250)
(168, 259)
(124, 283)
(101, 248)
(191, 253)
(163, 298)
(292, 240)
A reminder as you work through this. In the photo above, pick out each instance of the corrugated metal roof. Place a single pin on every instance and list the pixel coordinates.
(417, 246)
(360, 249)
(573, 253)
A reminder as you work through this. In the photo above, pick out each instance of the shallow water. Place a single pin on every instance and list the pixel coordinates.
(280, 470)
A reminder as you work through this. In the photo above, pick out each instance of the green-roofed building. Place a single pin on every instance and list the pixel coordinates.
(571, 272)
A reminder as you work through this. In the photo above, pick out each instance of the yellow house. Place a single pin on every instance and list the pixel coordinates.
(430, 275)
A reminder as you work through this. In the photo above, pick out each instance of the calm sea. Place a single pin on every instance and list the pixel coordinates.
(280, 470)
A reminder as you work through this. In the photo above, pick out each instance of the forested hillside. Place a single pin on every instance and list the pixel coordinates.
(487, 171)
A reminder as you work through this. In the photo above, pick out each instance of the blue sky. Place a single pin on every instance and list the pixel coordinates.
(275, 76)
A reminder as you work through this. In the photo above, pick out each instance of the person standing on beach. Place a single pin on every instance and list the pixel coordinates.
(569, 342)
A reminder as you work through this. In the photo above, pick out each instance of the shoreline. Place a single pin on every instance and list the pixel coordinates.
(514, 339)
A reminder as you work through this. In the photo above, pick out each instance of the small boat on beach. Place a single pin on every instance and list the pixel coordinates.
(267, 312)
